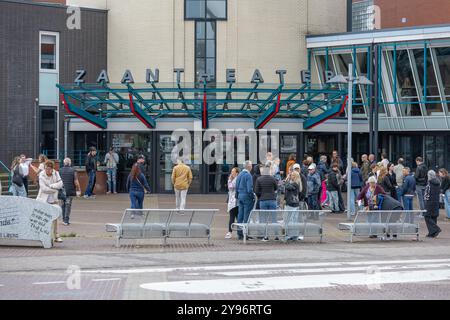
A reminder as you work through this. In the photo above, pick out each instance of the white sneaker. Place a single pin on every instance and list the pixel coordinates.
(228, 235)
(300, 238)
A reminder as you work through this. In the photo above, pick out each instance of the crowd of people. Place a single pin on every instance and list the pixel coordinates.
(269, 185)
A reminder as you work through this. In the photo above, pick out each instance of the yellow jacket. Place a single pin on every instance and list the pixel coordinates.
(181, 176)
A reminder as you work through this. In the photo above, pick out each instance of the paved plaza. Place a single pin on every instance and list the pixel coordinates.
(88, 266)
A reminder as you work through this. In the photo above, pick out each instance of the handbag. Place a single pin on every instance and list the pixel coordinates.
(17, 178)
(62, 195)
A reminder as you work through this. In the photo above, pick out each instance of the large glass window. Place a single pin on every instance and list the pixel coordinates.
(406, 89)
(205, 9)
(48, 52)
(443, 58)
(426, 74)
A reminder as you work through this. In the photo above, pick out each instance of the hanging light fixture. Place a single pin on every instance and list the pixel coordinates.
(248, 107)
(288, 107)
(225, 106)
(153, 96)
(161, 106)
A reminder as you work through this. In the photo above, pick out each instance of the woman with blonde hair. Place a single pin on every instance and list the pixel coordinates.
(293, 189)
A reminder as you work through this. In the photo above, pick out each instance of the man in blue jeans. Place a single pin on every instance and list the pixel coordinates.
(244, 194)
(91, 170)
(408, 189)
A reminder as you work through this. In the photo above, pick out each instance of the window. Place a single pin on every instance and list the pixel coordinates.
(406, 87)
(205, 49)
(49, 51)
(431, 94)
(205, 9)
(443, 58)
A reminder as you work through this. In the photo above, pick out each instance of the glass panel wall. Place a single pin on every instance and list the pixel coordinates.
(443, 59)
(406, 87)
(427, 78)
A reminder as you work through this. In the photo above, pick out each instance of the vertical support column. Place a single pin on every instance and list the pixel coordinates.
(377, 91)
(372, 97)
(301, 146)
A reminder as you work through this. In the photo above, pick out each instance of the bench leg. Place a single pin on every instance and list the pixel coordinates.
(164, 241)
(117, 245)
(351, 237)
(209, 240)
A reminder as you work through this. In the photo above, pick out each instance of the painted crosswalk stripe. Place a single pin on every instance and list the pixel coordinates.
(234, 285)
(49, 282)
(333, 269)
(111, 279)
(265, 266)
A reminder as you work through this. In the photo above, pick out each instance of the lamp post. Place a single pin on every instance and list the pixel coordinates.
(350, 81)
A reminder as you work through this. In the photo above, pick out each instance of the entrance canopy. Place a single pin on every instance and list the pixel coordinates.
(95, 103)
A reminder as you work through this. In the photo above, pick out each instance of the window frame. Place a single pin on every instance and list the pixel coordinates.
(56, 35)
(205, 18)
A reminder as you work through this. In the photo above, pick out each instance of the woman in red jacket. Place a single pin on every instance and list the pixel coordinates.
(369, 194)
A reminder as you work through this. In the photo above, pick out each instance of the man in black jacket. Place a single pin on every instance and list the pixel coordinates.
(91, 170)
(421, 180)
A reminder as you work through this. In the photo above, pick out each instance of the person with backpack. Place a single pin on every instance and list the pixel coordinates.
(17, 187)
(356, 184)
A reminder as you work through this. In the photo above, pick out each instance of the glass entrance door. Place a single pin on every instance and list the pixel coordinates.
(165, 165)
(317, 145)
(129, 146)
(48, 132)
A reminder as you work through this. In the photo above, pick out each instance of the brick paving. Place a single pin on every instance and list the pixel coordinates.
(36, 273)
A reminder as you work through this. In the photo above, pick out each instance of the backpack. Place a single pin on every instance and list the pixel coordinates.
(17, 179)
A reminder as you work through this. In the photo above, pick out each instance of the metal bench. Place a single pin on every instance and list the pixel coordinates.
(284, 224)
(163, 224)
(383, 224)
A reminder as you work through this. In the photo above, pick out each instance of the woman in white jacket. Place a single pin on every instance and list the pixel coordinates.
(49, 184)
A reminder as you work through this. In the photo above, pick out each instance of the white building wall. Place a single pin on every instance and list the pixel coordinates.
(263, 34)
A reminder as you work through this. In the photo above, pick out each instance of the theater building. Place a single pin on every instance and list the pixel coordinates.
(137, 70)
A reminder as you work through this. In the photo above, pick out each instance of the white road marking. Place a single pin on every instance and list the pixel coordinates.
(49, 282)
(325, 270)
(227, 285)
(111, 279)
(265, 266)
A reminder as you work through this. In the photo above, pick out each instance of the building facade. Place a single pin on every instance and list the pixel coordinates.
(38, 52)
(385, 14)
(404, 114)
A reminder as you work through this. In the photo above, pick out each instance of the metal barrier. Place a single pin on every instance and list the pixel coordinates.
(384, 224)
(284, 224)
(163, 223)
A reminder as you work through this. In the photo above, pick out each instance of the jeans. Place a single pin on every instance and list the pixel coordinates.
(245, 207)
(66, 207)
(180, 199)
(353, 195)
(137, 199)
(447, 202)
(334, 201)
(112, 178)
(269, 205)
(399, 194)
(18, 191)
(408, 202)
(312, 202)
(420, 193)
(90, 187)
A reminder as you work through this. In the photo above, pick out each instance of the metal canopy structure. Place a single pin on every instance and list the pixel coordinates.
(96, 103)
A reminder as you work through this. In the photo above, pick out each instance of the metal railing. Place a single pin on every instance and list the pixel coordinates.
(5, 167)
